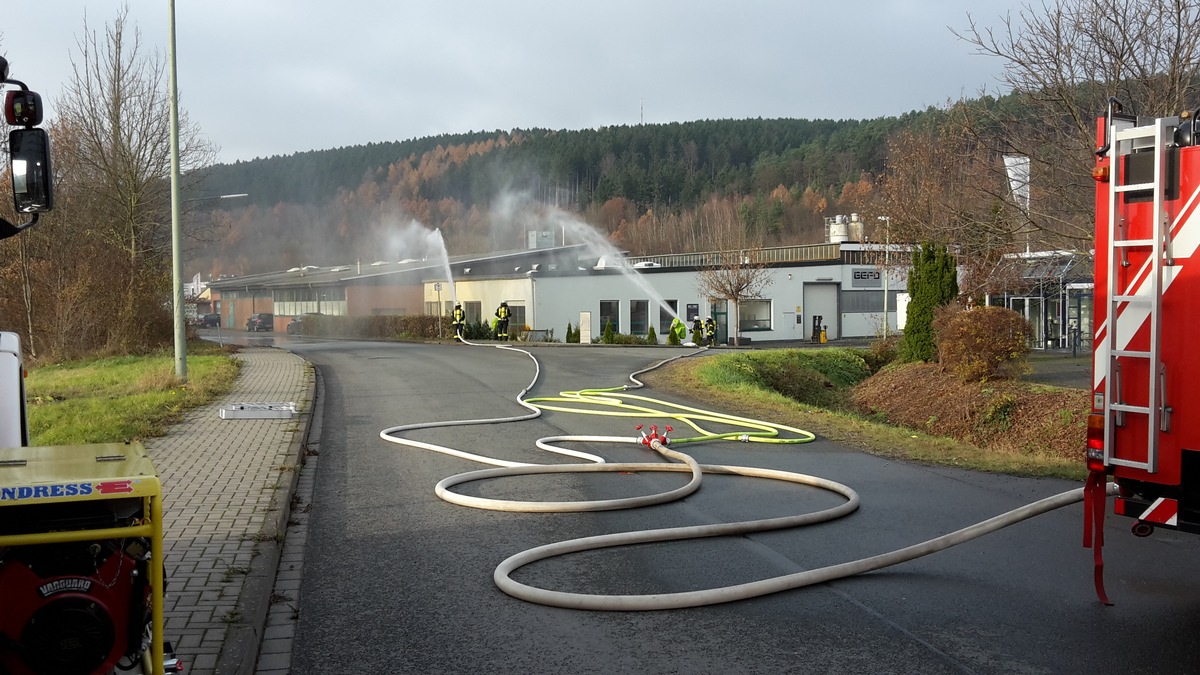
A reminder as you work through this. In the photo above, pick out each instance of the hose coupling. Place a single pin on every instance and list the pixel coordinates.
(648, 439)
(745, 438)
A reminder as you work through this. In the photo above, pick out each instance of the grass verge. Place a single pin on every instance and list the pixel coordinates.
(123, 398)
(734, 382)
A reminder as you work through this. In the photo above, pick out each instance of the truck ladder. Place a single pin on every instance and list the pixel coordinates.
(1146, 297)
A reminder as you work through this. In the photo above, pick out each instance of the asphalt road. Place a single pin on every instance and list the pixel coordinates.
(399, 581)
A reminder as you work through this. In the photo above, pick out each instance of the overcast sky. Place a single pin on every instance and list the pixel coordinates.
(274, 77)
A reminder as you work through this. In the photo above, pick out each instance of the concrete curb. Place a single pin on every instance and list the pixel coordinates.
(239, 651)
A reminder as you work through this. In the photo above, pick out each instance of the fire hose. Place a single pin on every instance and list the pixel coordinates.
(617, 402)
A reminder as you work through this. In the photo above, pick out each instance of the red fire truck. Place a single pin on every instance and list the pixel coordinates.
(1144, 430)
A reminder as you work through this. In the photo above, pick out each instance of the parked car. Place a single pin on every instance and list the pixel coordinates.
(208, 321)
(258, 322)
(294, 326)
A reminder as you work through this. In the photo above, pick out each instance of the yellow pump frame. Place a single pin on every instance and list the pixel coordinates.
(54, 474)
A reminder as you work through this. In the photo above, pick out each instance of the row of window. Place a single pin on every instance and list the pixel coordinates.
(754, 315)
(297, 301)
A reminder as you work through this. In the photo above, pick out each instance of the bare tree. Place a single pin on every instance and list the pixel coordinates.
(737, 269)
(116, 107)
(94, 273)
(941, 186)
(1062, 61)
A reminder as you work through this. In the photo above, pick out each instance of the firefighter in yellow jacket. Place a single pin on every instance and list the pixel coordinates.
(458, 319)
(502, 315)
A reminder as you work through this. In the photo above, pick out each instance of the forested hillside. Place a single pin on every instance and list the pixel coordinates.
(652, 188)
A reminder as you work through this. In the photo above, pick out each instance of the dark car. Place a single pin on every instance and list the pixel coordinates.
(209, 321)
(258, 322)
(294, 326)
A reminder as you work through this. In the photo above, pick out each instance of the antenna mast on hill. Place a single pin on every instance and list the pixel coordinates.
(642, 114)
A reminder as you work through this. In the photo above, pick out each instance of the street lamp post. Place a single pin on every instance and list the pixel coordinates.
(180, 316)
(887, 245)
(176, 235)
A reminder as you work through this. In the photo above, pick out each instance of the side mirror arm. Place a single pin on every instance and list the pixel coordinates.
(8, 229)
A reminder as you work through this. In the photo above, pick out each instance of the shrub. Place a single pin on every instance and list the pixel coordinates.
(983, 343)
(931, 284)
(672, 339)
(571, 336)
(882, 351)
(652, 337)
(608, 333)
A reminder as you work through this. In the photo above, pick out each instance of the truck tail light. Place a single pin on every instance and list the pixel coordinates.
(1095, 442)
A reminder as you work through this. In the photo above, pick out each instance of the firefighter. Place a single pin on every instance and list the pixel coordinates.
(710, 331)
(697, 331)
(502, 314)
(458, 319)
(679, 330)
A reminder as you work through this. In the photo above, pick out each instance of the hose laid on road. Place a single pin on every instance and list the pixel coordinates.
(613, 402)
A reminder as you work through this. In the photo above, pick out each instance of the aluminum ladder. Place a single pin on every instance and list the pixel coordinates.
(1144, 297)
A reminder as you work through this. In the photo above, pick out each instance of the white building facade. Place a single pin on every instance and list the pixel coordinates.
(832, 287)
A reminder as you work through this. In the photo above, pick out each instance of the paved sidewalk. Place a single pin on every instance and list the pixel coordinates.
(227, 485)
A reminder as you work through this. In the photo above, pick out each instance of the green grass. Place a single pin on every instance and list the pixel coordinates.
(124, 398)
(734, 382)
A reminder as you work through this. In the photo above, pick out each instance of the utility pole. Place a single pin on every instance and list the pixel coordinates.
(887, 245)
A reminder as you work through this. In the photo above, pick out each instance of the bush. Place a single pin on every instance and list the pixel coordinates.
(673, 339)
(982, 343)
(572, 335)
(652, 337)
(608, 333)
(882, 351)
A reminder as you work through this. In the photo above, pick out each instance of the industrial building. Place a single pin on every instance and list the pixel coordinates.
(837, 286)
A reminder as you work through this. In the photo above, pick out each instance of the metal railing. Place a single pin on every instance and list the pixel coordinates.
(776, 254)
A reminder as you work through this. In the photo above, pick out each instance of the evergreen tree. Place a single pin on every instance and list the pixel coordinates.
(932, 282)
(609, 335)
(651, 336)
(570, 335)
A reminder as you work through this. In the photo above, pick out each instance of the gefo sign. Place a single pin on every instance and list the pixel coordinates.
(866, 277)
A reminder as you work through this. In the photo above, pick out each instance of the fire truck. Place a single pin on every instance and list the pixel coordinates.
(1144, 431)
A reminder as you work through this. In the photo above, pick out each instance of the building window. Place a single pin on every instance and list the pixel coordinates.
(639, 317)
(610, 314)
(474, 310)
(866, 302)
(665, 317)
(516, 318)
(295, 301)
(754, 315)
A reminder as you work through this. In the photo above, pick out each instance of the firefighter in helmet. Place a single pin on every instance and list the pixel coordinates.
(710, 331)
(502, 315)
(697, 331)
(458, 319)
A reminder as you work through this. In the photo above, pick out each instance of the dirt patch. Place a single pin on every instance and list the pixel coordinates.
(1006, 416)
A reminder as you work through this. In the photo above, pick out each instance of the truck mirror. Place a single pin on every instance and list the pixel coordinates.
(23, 108)
(29, 162)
